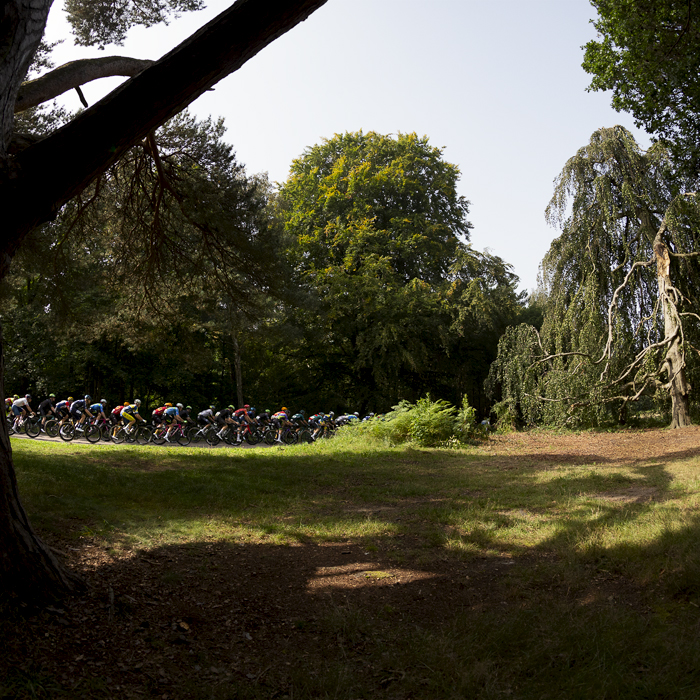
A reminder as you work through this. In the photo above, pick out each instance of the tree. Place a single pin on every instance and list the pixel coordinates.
(649, 56)
(31, 193)
(380, 243)
(621, 282)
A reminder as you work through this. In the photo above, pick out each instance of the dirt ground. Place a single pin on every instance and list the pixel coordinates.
(184, 621)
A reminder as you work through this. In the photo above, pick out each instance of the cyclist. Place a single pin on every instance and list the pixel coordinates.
(157, 417)
(171, 415)
(21, 407)
(62, 409)
(46, 408)
(99, 409)
(281, 420)
(206, 417)
(130, 414)
(79, 411)
(225, 421)
(185, 413)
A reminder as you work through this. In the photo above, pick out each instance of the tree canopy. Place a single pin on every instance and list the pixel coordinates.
(648, 54)
(380, 244)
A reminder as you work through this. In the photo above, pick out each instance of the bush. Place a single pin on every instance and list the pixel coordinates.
(426, 423)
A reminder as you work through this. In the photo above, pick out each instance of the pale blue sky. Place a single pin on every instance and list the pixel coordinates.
(497, 84)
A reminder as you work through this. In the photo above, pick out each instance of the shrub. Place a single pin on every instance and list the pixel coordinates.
(426, 423)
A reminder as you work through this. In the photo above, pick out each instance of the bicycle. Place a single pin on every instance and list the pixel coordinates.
(139, 434)
(178, 434)
(70, 430)
(197, 435)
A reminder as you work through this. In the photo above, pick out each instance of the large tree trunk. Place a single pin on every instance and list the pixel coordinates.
(674, 362)
(27, 565)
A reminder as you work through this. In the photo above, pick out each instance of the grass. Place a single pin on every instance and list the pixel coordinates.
(602, 598)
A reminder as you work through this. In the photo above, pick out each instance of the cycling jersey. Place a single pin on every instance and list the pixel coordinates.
(46, 406)
(96, 408)
(172, 411)
(129, 410)
(77, 406)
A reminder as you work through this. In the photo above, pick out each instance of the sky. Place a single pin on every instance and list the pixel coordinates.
(497, 85)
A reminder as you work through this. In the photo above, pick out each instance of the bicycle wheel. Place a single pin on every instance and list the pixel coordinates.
(120, 436)
(66, 432)
(92, 433)
(289, 437)
(252, 438)
(158, 437)
(51, 428)
(305, 436)
(270, 436)
(143, 435)
(183, 439)
(33, 428)
(106, 432)
(195, 435)
(213, 438)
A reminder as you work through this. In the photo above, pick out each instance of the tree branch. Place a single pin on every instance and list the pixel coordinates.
(101, 135)
(74, 74)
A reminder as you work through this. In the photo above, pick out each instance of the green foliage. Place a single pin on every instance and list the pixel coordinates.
(648, 54)
(400, 303)
(426, 423)
(100, 22)
(604, 340)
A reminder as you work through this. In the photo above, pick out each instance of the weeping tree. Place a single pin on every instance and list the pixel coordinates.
(621, 284)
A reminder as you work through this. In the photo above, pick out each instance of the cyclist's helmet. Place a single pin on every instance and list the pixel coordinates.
(331, 414)
(8, 399)
(356, 414)
(247, 406)
(180, 405)
(103, 402)
(137, 402)
(88, 397)
(126, 403)
(168, 405)
(189, 408)
(52, 396)
(212, 408)
(231, 407)
(28, 397)
(284, 408)
(69, 399)
(251, 410)
(302, 413)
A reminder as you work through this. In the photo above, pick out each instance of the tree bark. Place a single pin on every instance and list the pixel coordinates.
(237, 366)
(674, 361)
(74, 74)
(27, 565)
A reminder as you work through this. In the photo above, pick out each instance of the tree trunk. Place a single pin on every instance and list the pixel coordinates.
(28, 568)
(674, 362)
(237, 366)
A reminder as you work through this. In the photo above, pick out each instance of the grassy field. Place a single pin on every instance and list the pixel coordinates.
(485, 573)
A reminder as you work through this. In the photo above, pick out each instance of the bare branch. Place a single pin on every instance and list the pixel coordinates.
(74, 74)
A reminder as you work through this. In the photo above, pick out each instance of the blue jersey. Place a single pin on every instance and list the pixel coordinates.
(172, 411)
(96, 408)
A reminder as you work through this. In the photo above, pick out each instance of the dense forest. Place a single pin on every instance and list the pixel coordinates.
(179, 275)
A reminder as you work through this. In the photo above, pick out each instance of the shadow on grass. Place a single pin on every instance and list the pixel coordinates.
(223, 620)
(363, 600)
